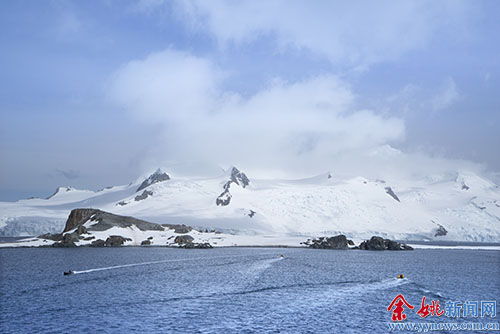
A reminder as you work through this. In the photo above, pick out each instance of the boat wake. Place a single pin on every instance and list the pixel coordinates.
(76, 272)
(121, 266)
(383, 284)
(262, 265)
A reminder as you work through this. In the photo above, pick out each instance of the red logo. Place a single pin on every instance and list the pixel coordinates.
(429, 309)
(398, 312)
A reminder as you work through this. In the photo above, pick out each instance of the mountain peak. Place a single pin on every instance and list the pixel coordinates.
(157, 176)
(239, 177)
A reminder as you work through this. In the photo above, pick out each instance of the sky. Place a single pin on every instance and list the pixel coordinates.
(97, 93)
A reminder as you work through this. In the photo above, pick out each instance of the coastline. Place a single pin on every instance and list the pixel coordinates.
(417, 245)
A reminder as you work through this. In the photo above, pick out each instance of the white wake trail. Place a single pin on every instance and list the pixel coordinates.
(121, 266)
(156, 262)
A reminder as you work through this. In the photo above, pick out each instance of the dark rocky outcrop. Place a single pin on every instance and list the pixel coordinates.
(78, 217)
(183, 239)
(145, 194)
(98, 243)
(225, 197)
(186, 241)
(157, 176)
(111, 241)
(146, 243)
(251, 214)
(336, 242)
(192, 245)
(67, 240)
(81, 230)
(181, 229)
(440, 231)
(379, 243)
(64, 244)
(389, 191)
(465, 187)
(115, 241)
(105, 221)
(239, 177)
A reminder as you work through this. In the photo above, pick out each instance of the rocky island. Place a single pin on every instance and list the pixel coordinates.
(341, 242)
(97, 228)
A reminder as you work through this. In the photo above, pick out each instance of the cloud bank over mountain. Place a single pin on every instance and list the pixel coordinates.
(287, 128)
(286, 125)
(98, 93)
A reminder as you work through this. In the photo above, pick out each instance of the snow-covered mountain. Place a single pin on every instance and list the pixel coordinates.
(459, 206)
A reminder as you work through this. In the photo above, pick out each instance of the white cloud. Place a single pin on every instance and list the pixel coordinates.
(301, 125)
(166, 86)
(358, 32)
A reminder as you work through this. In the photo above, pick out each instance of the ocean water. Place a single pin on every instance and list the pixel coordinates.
(232, 290)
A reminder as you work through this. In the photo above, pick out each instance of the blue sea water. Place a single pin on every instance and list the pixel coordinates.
(232, 290)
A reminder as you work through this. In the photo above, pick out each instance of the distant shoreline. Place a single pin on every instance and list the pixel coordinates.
(412, 242)
(417, 245)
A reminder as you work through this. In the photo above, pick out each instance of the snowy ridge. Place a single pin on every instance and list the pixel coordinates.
(322, 205)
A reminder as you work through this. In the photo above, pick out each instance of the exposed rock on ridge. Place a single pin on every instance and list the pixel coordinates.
(225, 197)
(237, 177)
(389, 191)
(440, 231)
(157, 176)
(145, 194)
